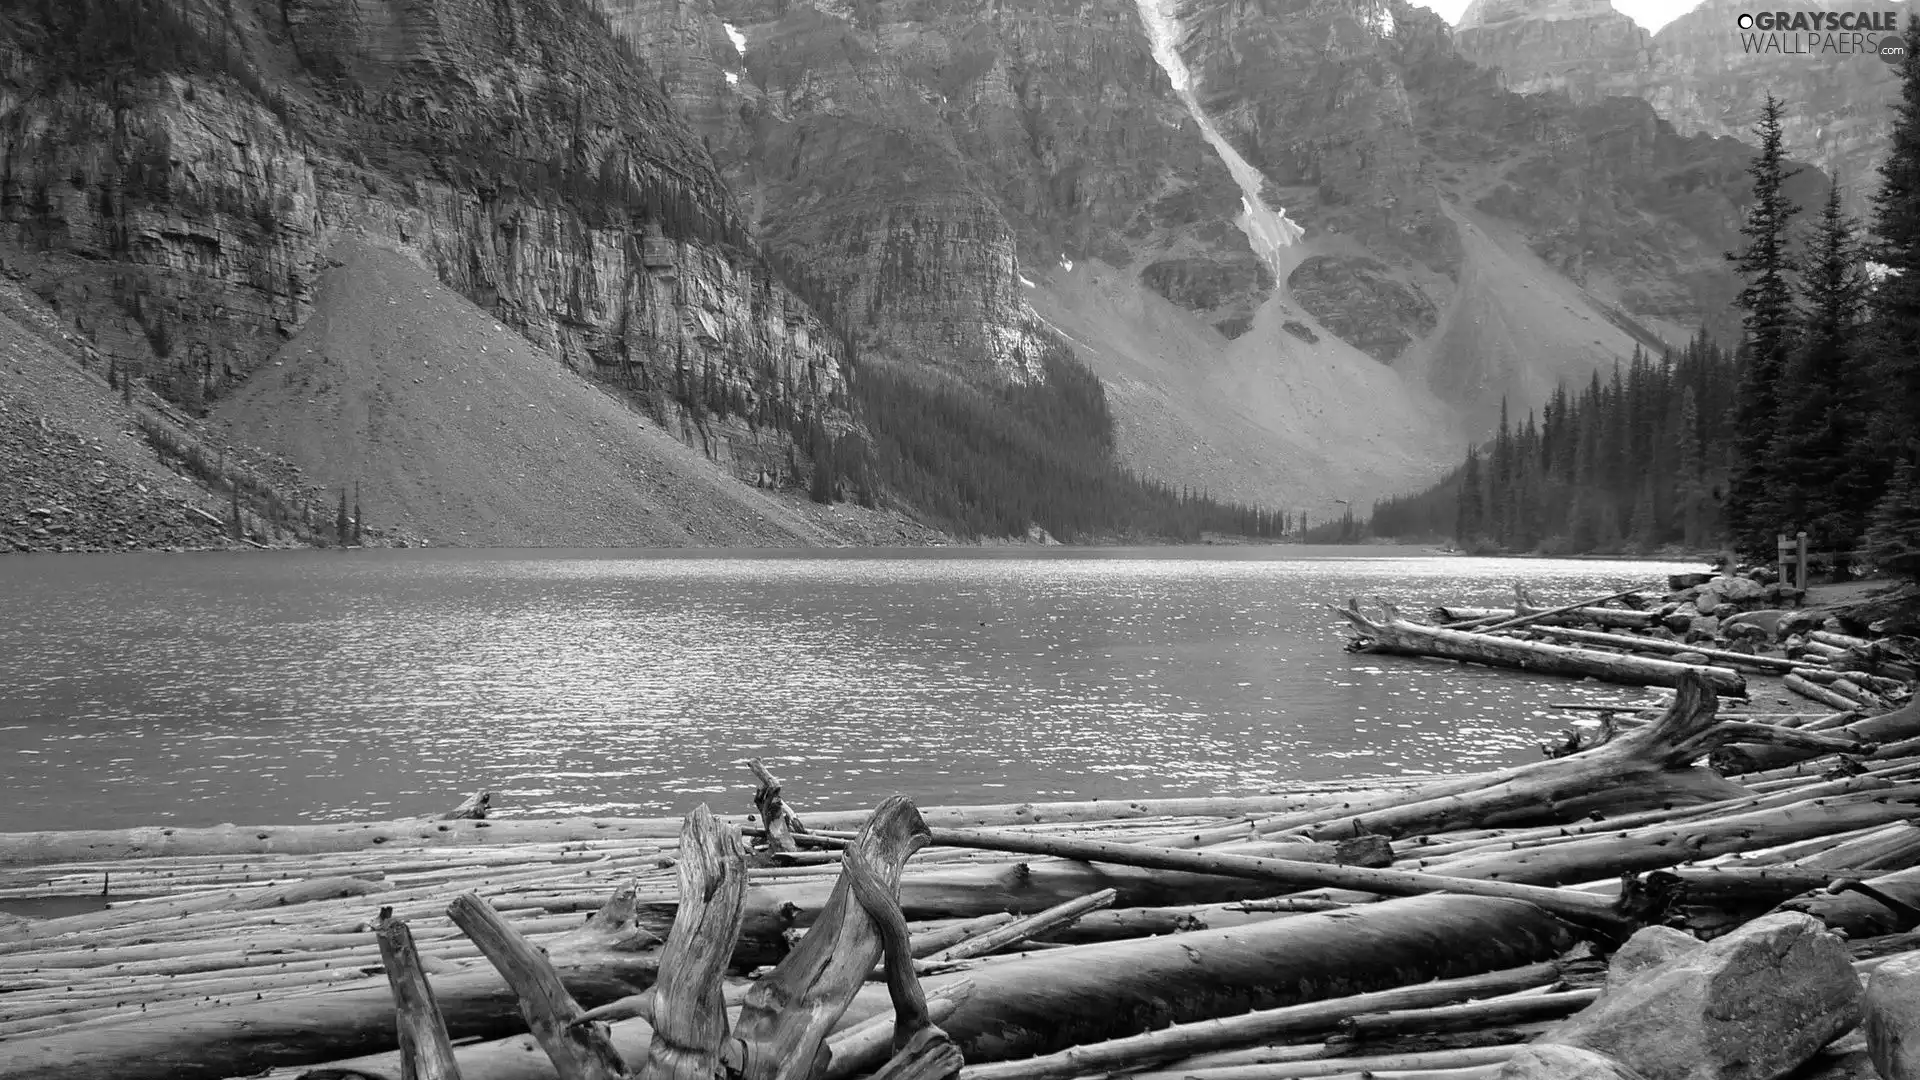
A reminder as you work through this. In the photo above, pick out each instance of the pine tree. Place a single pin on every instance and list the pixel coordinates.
(1471, 520)
(342, 529)
(1770, 321)
(356, 511)
(1893, 540)
(1692, 485)
(1819, 485)
(1645, 525)
(1892, 337)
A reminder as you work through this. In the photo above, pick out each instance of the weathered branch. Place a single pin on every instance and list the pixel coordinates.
(424, 1046)
(578, 1051)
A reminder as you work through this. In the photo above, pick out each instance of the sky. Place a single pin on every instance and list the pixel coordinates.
(1652, 14)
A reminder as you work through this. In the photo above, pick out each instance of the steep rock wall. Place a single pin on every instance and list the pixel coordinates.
(1701, 73)
(177, 208)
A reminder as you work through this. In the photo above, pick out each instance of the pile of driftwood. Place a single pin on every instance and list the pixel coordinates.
(1719, 628)
(1451, 927)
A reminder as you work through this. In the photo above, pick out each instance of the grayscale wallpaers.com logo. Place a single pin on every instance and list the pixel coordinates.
(1823, 33)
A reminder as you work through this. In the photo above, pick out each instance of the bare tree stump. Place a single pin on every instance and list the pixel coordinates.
(779, 820)
(689, 1008)
(784, 1025)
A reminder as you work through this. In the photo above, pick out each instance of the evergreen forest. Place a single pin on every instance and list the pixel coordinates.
(1811, 422)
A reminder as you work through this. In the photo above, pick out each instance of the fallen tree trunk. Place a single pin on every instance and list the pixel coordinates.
(1031, 887)
(1614, 618)
(1121, 924)
(1653, 756)
(1050, 1000)
(1598, 915)
(1030, 927)
(1883, 730)
(1398, 636)
(1813, 691)
(1889, 904)
(1778, 665)
(1524, 1008)
(1593, 857)
(611, 957)
(95, 845)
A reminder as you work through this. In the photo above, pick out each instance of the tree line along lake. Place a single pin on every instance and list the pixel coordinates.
(268, 687)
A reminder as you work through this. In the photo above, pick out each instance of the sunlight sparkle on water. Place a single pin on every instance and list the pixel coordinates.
(282, 686)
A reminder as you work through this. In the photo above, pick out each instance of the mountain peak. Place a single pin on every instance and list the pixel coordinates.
(1482, 13)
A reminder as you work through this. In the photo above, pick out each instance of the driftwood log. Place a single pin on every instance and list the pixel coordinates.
(1887, 728)
(1398, 636)
(1031, 887)
(1047, 1001)
(424, 1045)
(160, 841)
(1579, 613)
(610, 957)
(1775, 664)
(1650, 756)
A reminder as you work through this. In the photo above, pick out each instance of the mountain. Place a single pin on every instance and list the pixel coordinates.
(1582, 47)
(1308, 246)
(177, 172)
(1305, 242)
(1702, 73)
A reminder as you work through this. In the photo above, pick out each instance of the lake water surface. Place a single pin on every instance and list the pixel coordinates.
(271, 687)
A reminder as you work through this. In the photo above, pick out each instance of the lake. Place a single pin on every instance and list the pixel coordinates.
(268, 687)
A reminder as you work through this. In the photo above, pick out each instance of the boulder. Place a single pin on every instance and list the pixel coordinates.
(1679, 622)
(1678, 582)
(1691, 658)
(1703, 627)
(1725, 611)
(1708, 598)
(1767, 619)
(1892, 1022)
(1550, 1061)
(1649, 947)
(1753, 1005)
(1738, 589)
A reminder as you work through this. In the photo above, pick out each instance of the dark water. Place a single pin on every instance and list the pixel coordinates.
(270, 687)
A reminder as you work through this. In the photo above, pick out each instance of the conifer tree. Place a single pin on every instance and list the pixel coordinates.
(1691, 464)
(1770, 319)
(1819, 483)
(1892, 338)
(1893, 540)
(1471, 520)
(341, 528)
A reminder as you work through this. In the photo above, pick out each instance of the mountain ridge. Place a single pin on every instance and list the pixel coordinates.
(712, 206)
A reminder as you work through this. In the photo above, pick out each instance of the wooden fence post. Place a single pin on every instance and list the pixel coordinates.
(1783, 555)
(1800, 574)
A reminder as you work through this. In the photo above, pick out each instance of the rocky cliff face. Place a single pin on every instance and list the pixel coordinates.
(1702, 73)
(179, 188)
(1582, 47)
(947, 166)
(927, 158)
(1378, 133)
